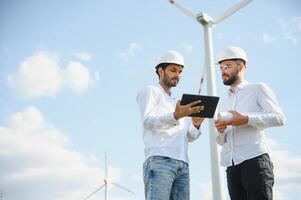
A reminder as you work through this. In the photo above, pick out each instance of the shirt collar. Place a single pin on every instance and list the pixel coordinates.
(239, 87)
(162, 89)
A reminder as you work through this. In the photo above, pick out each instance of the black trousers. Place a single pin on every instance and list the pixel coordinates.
(252, 179)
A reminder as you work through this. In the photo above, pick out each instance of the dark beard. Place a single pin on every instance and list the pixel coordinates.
(231, 80)
(169, 83)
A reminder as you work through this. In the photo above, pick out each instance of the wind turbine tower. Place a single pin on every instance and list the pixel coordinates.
(208, 24)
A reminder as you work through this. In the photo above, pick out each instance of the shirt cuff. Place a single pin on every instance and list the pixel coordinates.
(220, 138)
(194, 132)
(170, 118)
(251, 120)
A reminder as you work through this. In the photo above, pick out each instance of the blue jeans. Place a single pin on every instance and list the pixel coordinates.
(165, 179)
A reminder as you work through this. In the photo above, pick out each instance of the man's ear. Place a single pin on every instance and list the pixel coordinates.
(241, 66)
(161, 72)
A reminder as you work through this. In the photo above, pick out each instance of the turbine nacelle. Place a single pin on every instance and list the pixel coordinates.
(204, 19)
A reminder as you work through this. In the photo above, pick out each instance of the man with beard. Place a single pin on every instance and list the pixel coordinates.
(253, 108)
(166, 133)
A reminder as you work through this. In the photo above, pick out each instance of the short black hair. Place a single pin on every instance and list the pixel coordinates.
(163, 66)
(240, 60)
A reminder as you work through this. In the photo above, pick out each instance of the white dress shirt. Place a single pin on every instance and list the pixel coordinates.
(162, 134)
(258, 102)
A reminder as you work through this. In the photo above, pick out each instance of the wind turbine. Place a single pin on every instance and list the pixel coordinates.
(106, 182)
(208, 24)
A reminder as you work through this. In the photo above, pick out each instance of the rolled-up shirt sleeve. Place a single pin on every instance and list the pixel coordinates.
(271, 114)
(151, 115)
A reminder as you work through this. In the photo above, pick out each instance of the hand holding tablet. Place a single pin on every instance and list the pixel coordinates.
(209, 103)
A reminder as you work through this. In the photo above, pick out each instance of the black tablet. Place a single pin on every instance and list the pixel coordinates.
(209, 103)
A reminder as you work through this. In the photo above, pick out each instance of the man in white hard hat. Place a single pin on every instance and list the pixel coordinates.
(166, 133)
(253, 107)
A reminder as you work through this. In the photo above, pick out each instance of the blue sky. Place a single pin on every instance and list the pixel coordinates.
(70, 72)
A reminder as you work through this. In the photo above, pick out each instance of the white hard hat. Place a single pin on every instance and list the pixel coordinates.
(173, 57)
(232, 53)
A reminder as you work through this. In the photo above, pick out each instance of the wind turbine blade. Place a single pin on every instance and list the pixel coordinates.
(117, 185)
(187, 12)
(106, 166)
(231, 11)
(87, 197)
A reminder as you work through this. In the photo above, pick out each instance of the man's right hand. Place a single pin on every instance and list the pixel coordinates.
(220, 125)
(185, 110)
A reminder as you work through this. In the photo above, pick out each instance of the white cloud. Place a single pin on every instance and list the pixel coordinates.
(284, 170)
(189, 48)
(267, 38)
(84, 56)
(38, 75)
(133, 47)
(38, 163)
(77, 77)
(291, 28)
(41, 75)
(130, 52)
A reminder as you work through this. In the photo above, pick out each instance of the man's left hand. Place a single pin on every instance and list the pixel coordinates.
(238, 119)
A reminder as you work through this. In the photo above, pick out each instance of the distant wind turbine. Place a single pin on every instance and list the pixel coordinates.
(106, 182)
(208, 24)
